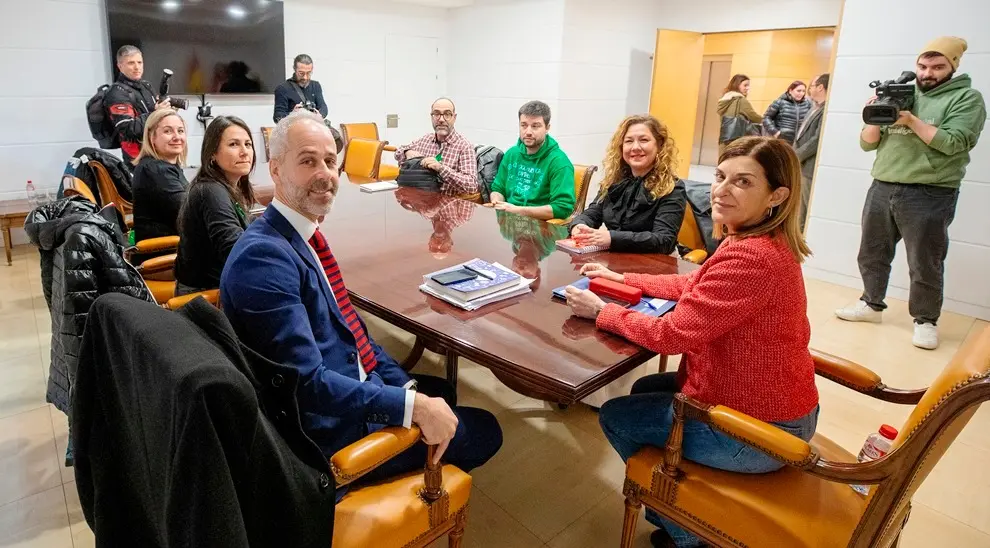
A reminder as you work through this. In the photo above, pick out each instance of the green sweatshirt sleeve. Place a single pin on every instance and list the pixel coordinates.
(498, 185)
(868, 147)
(562, 198)
(960, 128)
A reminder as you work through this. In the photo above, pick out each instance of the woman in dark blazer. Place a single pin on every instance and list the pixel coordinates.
(159, 186)
(215, 212)
(641, 203)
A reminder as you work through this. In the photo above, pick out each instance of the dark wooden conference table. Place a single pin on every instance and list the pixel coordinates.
(385, 242)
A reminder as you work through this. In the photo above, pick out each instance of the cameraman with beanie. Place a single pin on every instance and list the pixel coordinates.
(920, 163)
(130, 100)
(299, 91)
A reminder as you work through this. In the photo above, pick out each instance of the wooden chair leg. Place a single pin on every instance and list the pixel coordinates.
(633, 506)
(455, 538)
(663, 364)
(414, 355)
(452, 367)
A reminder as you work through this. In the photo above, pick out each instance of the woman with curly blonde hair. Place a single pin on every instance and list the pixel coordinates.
(641, 203)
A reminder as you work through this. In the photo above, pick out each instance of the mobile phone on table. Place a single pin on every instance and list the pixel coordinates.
(454, 276)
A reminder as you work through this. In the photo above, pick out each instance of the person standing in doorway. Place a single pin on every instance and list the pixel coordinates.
(806, 140)
(734, 104)
(921, 160)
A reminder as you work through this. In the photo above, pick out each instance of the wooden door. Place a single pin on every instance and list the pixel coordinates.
(676, 83)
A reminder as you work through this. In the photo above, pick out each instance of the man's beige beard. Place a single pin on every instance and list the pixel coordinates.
(301, 196)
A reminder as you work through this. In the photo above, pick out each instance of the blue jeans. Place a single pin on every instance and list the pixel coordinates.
(645, 418)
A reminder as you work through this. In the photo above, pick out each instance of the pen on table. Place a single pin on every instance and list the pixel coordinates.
(480, 272)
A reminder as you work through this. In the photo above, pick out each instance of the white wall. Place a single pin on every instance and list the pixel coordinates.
(843, 173)
(52, 61)
(606, 72)
(52, 58)
(733, 15)
(502, 56)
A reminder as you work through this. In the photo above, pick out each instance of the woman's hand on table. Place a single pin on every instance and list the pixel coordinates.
(584, 303)
(597, 270)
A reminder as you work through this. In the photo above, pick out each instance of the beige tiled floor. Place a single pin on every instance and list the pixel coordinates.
(556, 481)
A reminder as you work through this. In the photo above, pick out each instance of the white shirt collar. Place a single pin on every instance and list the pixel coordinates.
(303, 226)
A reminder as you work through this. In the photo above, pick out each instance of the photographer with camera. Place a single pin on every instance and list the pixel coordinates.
(300, 91)
(921, 160)
(129, 101)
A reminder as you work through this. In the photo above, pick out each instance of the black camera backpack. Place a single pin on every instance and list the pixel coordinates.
(100, 126)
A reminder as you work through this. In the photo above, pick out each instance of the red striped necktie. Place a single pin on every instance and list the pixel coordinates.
(347, 310)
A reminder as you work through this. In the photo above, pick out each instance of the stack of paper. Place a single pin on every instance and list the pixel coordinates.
(379, 186)
(495, 283)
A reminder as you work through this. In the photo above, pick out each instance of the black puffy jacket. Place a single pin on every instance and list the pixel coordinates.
(786, 115)
(45, 227)
(88, 261)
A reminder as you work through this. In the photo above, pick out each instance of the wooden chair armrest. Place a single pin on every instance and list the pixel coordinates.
(157, 264)
(366, 454)
(766, 437)
(861, 379)
(152, 245)
(697, 256)
(473, 197)
(773, 441)
(564, 222)
(389, 148)
(212, 296)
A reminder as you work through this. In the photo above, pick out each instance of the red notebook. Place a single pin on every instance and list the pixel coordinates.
(572, 246)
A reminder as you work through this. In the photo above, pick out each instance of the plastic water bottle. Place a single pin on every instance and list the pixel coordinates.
(877, 445)
(32, 194)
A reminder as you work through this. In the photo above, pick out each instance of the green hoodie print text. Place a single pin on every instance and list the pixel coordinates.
(959, 113)
(544, 178)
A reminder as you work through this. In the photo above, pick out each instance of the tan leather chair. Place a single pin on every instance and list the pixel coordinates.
(266, 134)
(74, 186)
(411, 510)
(582, 180)
(153, 271)
(363, 130)
(809, 502)
(108, 193)
(363, 161)
(212, 296)
(690, 237)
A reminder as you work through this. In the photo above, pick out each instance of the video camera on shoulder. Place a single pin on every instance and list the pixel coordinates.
(175, 102)
(893, 96)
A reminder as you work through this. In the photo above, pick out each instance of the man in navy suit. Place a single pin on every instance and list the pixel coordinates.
(283, 292)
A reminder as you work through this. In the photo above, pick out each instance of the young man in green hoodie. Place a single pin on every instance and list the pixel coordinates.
(921, 160)
(535, 178)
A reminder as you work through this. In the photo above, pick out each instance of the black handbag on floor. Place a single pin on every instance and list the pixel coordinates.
(413, 174)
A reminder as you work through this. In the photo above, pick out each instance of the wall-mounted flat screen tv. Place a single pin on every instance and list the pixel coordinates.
(212, 46)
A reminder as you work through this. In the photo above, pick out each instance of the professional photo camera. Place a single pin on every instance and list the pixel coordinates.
(893, 96)
(310, 106)
(175, 102)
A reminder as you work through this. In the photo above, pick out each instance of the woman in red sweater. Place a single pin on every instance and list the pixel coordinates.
(741, 324)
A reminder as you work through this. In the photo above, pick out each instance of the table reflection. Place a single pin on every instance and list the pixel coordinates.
(532, 242)
(445, 213)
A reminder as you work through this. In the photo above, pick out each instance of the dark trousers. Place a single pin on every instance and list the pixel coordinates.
(477, 439)
(921, 215)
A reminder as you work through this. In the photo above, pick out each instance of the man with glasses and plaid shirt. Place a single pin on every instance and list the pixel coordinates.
(445, 151)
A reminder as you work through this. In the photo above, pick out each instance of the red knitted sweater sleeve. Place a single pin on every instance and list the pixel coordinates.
(738, 282)
(669, 287)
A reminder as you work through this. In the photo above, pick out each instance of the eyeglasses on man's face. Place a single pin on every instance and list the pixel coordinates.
(446, 115)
